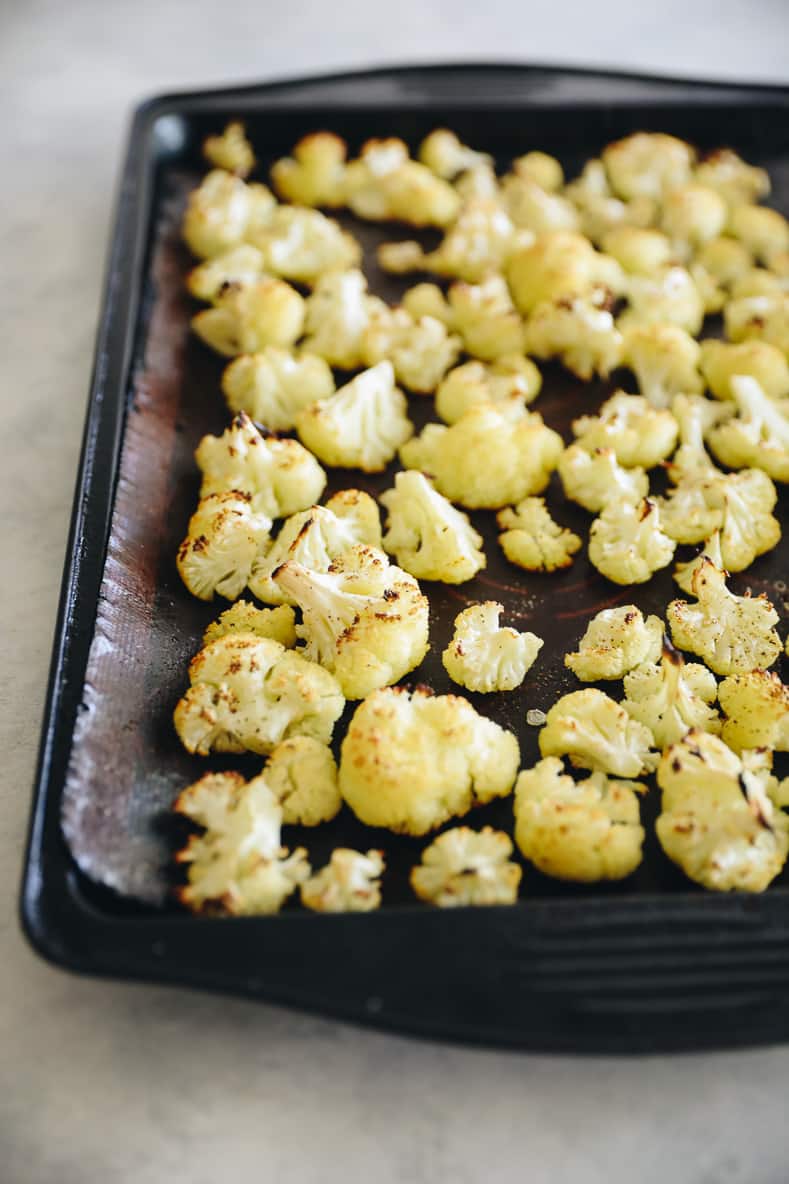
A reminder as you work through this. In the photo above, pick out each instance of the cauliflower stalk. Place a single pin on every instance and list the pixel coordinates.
(426, 534)
(364, 619)
(222, 542)
(616, 641)
(757, 711)
(484, 657)
(758, 436)
(627, 543)
(583, 831)
(273, 386)
(532, 540)
(243, 617)
(638, 433)
(301, 772)
(411, 761)
(467, 867)
(349, 883)
(510, 383)
(671, 697)
(596, 733)
(593, 479)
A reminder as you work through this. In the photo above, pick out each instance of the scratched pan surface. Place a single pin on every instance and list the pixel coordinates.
(111, 763)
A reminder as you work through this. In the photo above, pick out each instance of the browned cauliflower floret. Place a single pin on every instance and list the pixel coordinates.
(671, 697)
(765, 317)
(578, 330)
(231, 151)
(467, 867)
(243, 617)
(384, 184)
(302, 245)
(220, 212)
(648, 164)
(483, 314)
(684, 572)
(428, 536)
(616, 640)
(597, 733)
(665, 360)
(249, 316)
(479, 242)
(349, 883)
(627, 543)
(758, 435)
(315, 174)
(223, 540)
(421, 351)
(638, 433)
(665, 297)
(301, 772)
(362, 425)
(722, 361)
(531, 539)
(560, 265)
(273, 386)
(240, 266)
(757, 711)
(583, 831)
(411, 761)
(484, 657)
(248, 693)
(511, 384)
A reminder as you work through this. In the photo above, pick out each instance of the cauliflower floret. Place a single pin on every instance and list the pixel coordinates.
(220, 211)
(595, 478)
(248, 317)
(231, 151)
(639, 250)
(532, 540)
(337, 314)
(648, 164)
(692, 215)
(244, 617)
(616, 640)
(487, 320)
(671, 697)
(532, 208)
(248, 693)
(580, 331)
(757, 281)
(639, 434)
(668, 296)
(364, 619)
(627, 543)
(384, 184)
(301, 772)
(758, 435)
(221, 544)
(237, 865)
(444, 154)
(600, 211)
(362, 425)
(757, 711)
(596, 733)
(483, 657)
(764, 232)
(544, 170)
(315, 174)
(349, 883)
(684, 572)
(665, 361)
(558, 265)
(725, 260)
(427, 535)
(764, 317)
(467, 867)
(411, 761)
(302, 245)
(717, 822)
(315, 538)
(512, 460)
(273, 386)
(735, 506)
(280, 476)
(722, 361)
(479, 242)
(421, 351)
(478, 182)
(582, 831)
(241, 266)
(736, 181)
(731, 634)
(510, 384)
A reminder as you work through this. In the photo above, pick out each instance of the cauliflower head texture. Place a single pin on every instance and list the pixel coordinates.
(427, 535)
(668, 296)
(301, 245)
(557, 266)
(616, 641)
(648, 164)
(477, 244)
(510, 383)
(665, 360)
(336, 316)
(671, 697)
(627, 543)
(446, 155)
(467, 867)
(598, 734)
(484, 657)
(315, 174)
(273, 386)
(757, 711)
(231, 150)
(764, 316)
(532, 540)
(349, 883)
(421, 351)
(247, 317)
(220, 211)
(579, 331)
(244, 617)
(383, 184)
(301, 772)
(736, 181)
(721, 361)
(639, 434)
(240, 266)
(595, 478)
(223, 539)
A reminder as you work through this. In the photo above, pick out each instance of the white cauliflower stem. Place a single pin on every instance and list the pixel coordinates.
(467, 867)
(596, 733)
(484, 657)
(350, 883)
(615, 641)
(427, 535)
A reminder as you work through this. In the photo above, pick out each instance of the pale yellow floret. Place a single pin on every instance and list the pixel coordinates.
(479, 242)
(533, 208)
(531, 539)
(692, 216)
(249, 316)
(510, 383)
(639, 250)
(349, 883)
(486, 319)
(557, 265)
(721, 361)
(763, 232)
(684, 572)
(301, 772)
(231, 150)
(601, 211)
(446, 156)
(544, 170)
(302, 245)
(222, 542)
(757, 711)
(273, 386)
(428, 536)
(336, 316)
(725, 259)
(384, 184)
(595, 478)
(616, 641)
(421, 351)
(240, 266)
(596, 733)
(578, 330)
(665, 360)
(244, 617)
(220, 212)
(482, 656)
(315, 174)
(671, 697)
(758, 281)
(639, 435)
(668, 296)
(765, 317)
(627, 543)
(467, 867)
(758, 435)
(648, 164)
(736, 181)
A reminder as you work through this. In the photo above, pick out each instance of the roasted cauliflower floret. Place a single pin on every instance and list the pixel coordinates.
(639, 434)
(737, 182)
(510, 384)
(627, 543)
(444, 154)
(595, 478)
(757, 711)
(221, 210)
(249, 693)
(533, 208)
(241, 266)
(580, 331)
(426, 534)
(582, 831)
(721, 361)
(315, 538)
(221, 544)
(758, 435)
(601, 212)
(486, 319)
(692, 216)
(384, 184)
(301, 245)
(315, 174)
(559, 265)
(665, 360)
(411, 761)
(691, 462)
(724, 260)
(231, 151)
(764, 232)
(301, 772)
(337, 314)
(735, 506)
(237, 864)
(638, 249)
(668, 296)
(597, 733)
(684, 572)
(512, 460)
(616, 641)
(420, 351)
(764, 317)
(648, 164)
(532, 540)
(467, 867)
(717, 822)
(484, 657)
(544, 170)
(248, 317)
(280, 476)
(479, 242)
(362, 425)
(671, 697)
(731, 634)
(349, 883)
(364, 619)
(755, 281)
(273, 386)
(243, 617)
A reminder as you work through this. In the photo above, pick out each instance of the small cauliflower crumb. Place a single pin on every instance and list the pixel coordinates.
(532, 540)
(483, 657)
(349, 883)
(467, 867)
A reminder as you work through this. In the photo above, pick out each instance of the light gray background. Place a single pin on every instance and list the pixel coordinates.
(108, 1084)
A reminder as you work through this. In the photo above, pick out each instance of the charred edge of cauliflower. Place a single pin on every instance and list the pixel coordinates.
(467, 867)
(757, 711)
(223, 539)
(483, 657)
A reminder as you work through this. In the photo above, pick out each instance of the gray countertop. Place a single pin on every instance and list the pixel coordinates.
(102, 1083)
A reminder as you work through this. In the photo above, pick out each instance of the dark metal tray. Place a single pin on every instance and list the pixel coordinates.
(644, 965)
